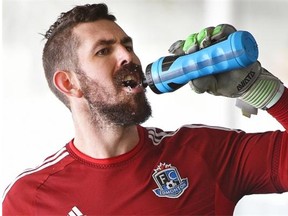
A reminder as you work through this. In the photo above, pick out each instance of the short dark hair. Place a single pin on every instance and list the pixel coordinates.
(60, 49)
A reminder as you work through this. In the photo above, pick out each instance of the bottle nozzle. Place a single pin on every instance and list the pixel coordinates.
(144, 83)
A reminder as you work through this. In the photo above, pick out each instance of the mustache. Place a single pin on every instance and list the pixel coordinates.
(131, 68)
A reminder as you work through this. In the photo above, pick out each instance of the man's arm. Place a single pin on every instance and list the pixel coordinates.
(261, 91)
(280, 110)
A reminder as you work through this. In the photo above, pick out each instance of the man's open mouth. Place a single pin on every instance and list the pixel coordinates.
(131, 81)
(131, 77)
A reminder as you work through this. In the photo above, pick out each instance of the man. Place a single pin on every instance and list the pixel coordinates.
(114, 166)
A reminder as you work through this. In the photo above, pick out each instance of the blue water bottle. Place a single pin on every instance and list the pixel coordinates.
(169, 73)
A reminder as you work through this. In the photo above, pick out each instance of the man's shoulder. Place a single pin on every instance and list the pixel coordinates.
(31, 179)
(195, 132)
(155, 131)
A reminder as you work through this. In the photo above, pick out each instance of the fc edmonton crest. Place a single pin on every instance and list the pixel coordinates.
(169, 182)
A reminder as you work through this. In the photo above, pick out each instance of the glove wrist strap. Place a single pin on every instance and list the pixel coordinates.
(265, 92)
(276, 97)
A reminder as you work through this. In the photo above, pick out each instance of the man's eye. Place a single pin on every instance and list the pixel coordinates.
(102, 52)
(129, 48)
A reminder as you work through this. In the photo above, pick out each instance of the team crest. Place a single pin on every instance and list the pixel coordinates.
(169, 182)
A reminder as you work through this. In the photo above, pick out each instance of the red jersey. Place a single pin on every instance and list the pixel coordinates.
(195, 170)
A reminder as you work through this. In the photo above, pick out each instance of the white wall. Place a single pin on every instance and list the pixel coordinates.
(34, 124)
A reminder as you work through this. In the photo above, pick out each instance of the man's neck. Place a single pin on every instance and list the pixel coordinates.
(105, 141)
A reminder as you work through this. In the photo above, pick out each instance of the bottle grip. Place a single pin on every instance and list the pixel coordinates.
(169, 73)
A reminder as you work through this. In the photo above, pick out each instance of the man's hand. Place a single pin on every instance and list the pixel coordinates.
(230, 84)
(253, 85)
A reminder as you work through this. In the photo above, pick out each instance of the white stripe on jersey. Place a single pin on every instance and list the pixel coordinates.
(157, 137)
(46, 163)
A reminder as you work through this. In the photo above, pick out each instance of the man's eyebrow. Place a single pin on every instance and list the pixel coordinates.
(101, 42)
(105, 42)
(126, 40)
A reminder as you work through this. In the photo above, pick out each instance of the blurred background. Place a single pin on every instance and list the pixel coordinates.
(34, 124)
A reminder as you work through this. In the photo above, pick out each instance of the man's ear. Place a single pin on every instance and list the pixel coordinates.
(67, 83)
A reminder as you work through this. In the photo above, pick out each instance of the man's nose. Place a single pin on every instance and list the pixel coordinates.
(125, 56)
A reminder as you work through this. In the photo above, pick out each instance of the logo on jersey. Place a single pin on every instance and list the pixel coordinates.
(75, 212)
(169, 182)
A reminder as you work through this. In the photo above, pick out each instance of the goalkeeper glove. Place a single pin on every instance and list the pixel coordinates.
(253, 86)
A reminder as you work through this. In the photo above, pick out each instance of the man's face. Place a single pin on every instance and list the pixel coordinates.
(110, 74)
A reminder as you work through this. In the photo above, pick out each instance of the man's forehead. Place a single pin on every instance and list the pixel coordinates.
(102, 29)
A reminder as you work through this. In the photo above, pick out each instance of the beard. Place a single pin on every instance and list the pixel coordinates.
(114, 107)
